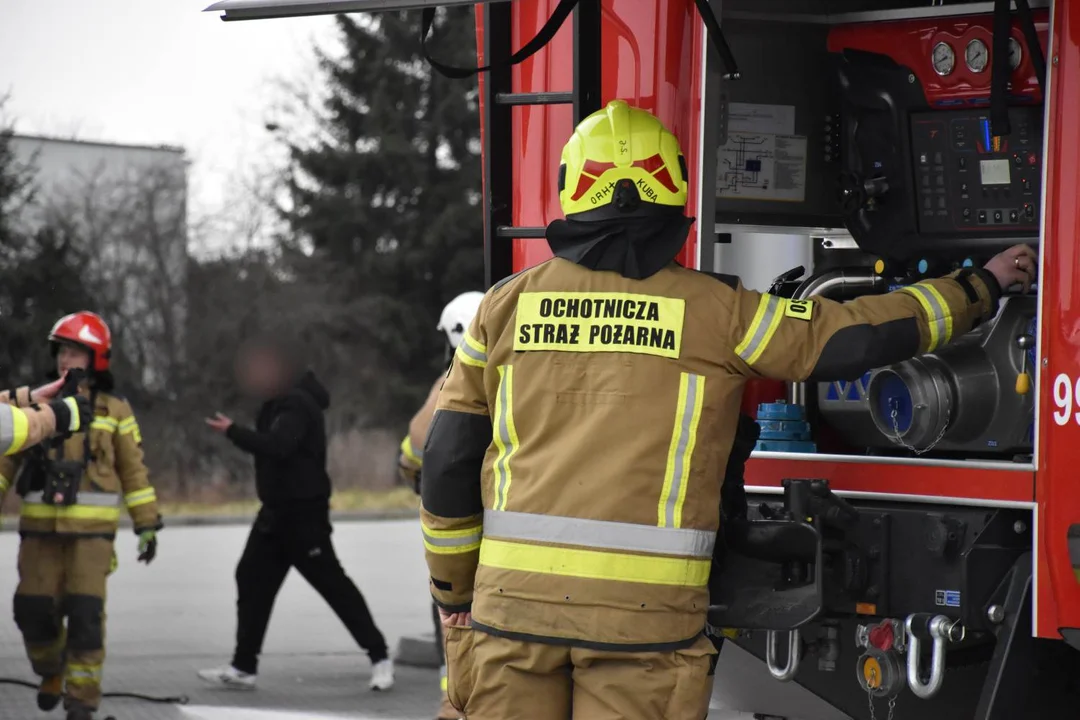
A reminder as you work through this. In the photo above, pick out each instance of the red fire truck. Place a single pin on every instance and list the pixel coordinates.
(915, 536)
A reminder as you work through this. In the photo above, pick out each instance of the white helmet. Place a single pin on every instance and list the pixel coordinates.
(458, 315)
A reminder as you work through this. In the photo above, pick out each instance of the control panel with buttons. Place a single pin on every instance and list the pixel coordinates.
(969, 181)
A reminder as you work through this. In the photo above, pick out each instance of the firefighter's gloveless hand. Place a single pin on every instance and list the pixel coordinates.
(45, 393)
(1019, 265)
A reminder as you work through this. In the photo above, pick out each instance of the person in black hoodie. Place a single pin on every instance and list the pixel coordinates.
(292, 529)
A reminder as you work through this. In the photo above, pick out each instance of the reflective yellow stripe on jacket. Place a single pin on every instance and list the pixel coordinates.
(937, 313)
(683, 440)
(90, 506)
(762, 328)
(605, 550)
(14, 429)
(140, 497)
(504, 434)
(471, 352)
(452, 542)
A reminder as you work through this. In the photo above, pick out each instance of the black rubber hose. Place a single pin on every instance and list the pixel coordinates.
(160, 700)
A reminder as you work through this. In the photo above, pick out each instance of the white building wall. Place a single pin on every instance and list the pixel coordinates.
(129, 205)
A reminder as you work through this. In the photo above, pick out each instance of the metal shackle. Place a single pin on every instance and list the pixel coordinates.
(786, 673)
(939, 628)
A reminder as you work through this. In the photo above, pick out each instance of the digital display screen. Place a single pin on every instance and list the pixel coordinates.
(994, 172)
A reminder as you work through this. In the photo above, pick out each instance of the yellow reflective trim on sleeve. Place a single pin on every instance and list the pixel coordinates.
(20, 430)
(446, 534)
(473, 343)
(469, 356)
(681, 450)
(452, 542)
(594, 564)
(4, 485)
(442, 683)
(937, 318)
(409, 453)
(762, 328)
(943, 313)
(144, 496)
(599, 322)
(504, 434)
(36, 511)
(106, 424)
(131, 427)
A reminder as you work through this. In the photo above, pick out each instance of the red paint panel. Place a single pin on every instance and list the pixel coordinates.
(1057, 487)
(651, 53)
(953, 482)
(911, 43)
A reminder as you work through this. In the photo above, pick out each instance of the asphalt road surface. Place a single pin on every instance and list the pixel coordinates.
(176, 616)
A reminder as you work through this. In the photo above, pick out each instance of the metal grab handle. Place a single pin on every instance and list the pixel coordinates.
(786, 673)
(940, 628)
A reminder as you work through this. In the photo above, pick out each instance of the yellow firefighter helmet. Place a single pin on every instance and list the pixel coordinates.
(621, 161)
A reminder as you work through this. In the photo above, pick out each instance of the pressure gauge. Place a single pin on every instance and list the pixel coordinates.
(976, 56)
(1016, 53)
(944, 58)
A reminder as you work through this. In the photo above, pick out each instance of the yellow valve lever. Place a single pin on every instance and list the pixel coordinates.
(1023, 384)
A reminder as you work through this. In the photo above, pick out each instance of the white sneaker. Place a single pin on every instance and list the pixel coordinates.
(382, 675)
(230, 677)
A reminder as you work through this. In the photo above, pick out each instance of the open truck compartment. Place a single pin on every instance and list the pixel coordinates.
(871, 125)
(894, 143)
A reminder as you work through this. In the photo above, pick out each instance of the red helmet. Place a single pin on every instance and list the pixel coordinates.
(86, 330)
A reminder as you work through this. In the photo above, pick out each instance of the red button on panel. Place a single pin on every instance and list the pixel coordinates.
(1032, 159)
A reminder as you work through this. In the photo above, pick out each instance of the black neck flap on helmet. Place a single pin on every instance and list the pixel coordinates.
(634, 238)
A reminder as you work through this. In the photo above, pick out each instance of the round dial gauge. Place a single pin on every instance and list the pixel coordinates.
(944, 58)
(976, 56)
(1016, 53)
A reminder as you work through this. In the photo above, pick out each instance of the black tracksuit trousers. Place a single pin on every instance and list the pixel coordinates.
(304, 543)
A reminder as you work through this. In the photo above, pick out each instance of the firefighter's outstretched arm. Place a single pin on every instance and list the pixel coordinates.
(452, 508)
(820, 339)
(22, 428)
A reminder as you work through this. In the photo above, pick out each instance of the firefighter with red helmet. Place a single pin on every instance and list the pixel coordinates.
(73, 492)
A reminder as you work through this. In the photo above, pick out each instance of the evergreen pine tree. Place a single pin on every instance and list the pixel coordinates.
(390, 192)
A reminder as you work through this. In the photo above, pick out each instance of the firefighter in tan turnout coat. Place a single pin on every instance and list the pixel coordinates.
(456, 316)
(73, 492)
(572, 472)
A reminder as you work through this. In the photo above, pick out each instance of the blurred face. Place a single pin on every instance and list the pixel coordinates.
(72, 357)
(260, 372)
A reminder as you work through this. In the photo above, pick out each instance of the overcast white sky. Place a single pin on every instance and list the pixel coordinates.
(153, 72)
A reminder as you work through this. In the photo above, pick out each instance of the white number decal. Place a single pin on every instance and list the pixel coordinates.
(1064, 397)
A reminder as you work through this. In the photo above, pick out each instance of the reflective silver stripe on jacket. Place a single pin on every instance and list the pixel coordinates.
(7, 427)
(599, 534)
(95, 499)
(461, 539)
